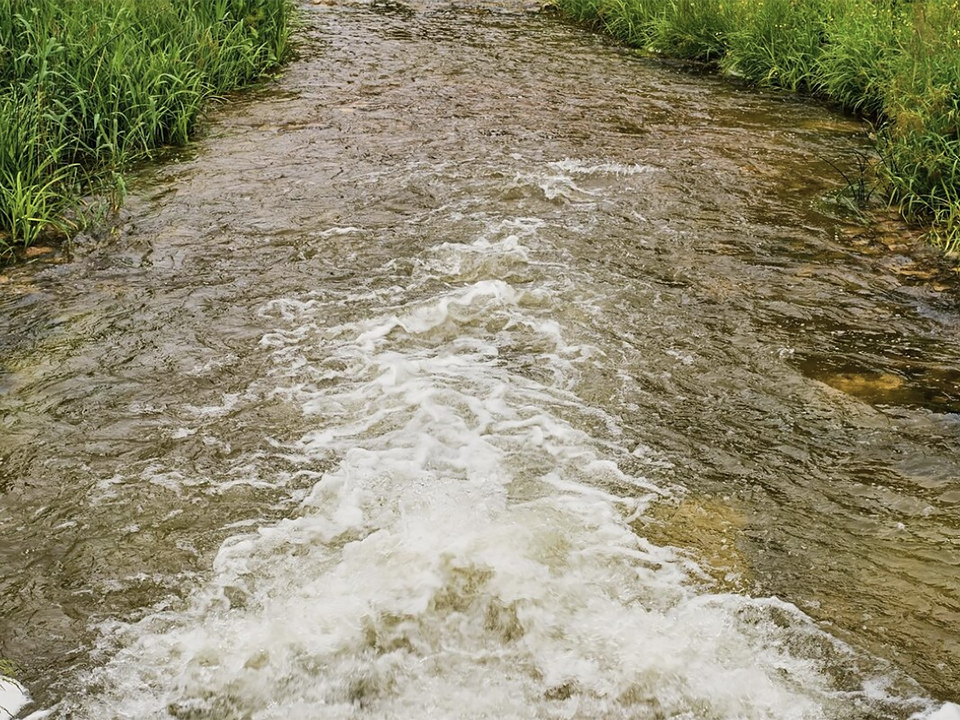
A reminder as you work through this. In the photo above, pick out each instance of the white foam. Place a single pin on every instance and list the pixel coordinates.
(13, 697)
(338, 231)
(558, 187)
(583, 167)
(469, 554)
(948, 711)
(40, 714)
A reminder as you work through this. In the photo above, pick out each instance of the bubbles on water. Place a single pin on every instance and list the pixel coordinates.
(584, 167)
(949, 711)
(468, 552)
(558, 188)
(13, 697)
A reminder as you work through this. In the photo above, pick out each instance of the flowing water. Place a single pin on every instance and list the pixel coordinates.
(481, 369)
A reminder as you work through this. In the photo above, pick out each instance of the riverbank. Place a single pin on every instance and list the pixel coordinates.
(404, 347)
(895, 62)
(88, 86)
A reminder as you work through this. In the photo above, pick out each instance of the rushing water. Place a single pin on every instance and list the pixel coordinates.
(479, 369)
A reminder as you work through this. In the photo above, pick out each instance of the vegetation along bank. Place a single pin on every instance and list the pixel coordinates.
(894, 61)
(86, 86)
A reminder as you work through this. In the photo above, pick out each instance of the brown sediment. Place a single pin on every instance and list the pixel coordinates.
(708, 528)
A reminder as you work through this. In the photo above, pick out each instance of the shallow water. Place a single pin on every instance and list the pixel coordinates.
(478, 368)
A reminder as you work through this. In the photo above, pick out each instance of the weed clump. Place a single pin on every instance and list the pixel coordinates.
(894, 61)
(88, 85)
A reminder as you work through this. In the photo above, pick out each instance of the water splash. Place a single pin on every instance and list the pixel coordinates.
(470, 554)
(13, 697)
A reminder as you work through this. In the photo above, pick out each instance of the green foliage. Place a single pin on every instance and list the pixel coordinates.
(628, 20)
(860, 41)
(8, 668)
(699, 29)
(895, 61)
(778, 44)
(920, 143)
(86, 86)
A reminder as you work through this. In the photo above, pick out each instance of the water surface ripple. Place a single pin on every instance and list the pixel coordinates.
(478, 368)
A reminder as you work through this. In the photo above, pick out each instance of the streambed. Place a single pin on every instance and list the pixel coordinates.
(479, 368)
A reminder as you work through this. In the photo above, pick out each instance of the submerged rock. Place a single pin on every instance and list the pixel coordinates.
(707, 527)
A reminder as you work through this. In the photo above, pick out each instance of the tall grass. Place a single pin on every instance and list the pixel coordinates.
(88, 85)
(895, 61)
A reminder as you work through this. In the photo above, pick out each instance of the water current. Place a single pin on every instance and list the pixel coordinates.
(478, 368)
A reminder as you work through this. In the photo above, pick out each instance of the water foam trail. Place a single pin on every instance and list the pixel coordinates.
(13, 697)
(469, 554)
(583, 167)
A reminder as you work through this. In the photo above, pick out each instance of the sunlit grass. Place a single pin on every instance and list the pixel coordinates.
(86, 86)
(895, 61)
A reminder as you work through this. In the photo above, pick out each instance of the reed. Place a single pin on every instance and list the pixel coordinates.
(896, 62)
(87, 86)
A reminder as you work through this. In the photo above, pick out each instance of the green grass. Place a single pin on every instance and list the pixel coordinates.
(87, 86)
(894, 61)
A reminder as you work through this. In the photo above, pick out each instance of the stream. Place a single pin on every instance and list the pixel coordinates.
(480, 368)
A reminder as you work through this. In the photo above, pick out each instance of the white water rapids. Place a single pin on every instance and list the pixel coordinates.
(13, 696)
(477, 368)
(466, 549)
